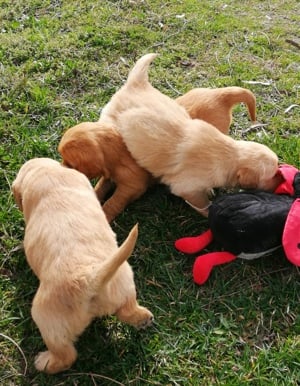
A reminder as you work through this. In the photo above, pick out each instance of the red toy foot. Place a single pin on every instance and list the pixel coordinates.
(204, 264)
(194, 244)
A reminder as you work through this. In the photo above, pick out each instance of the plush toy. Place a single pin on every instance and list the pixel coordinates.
(250, 224)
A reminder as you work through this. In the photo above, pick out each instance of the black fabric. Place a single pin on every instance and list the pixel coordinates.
(297, 185)
(249, 222)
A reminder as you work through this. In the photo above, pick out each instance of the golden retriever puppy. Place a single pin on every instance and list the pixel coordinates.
(73, 251)
(214, 105)
(189, 155)
(97, 150)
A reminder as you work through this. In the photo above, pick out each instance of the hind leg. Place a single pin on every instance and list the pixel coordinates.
(56, 359)
(135, 315)
(59, 326)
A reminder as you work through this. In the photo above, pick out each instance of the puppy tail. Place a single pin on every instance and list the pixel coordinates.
(250, 100)
(138, 76)
(111, 266)
(242, 95)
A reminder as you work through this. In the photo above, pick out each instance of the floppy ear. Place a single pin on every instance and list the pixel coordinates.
(247, 178)
(68, 152)
(82, 155)
(17, 195)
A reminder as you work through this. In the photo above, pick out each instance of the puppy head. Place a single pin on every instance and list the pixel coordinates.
(81, 150)
(26, 175)
(258, 166)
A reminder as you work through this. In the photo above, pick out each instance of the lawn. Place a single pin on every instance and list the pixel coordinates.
(60, 62)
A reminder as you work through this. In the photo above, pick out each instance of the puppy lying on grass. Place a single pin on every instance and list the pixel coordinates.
(73, 251)
(189, 155)
(97, 149)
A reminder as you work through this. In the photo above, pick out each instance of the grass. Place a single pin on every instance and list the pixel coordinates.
(60, 62)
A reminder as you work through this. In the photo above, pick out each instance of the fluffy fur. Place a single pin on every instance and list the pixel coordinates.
(189, 155)
(73, 251)
(214, 105)
(97, 149)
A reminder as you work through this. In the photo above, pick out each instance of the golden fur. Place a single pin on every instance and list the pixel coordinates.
(97, 149)
(189, 155)
(73, 251)
(214, 105)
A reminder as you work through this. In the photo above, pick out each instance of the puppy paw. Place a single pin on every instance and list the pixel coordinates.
(46, 361)
(137, 316)
(144, 318)
(43, 360)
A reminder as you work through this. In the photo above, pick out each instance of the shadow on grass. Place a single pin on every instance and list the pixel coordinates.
(245, 309)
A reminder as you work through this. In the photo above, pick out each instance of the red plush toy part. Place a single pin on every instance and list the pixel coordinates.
(291, 232)
(288, 173)
(203, 264)
(194, 244)
(290, 240)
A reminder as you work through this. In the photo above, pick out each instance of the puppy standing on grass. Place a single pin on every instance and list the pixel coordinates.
(97, 149)
(74, 253)
(189, 155)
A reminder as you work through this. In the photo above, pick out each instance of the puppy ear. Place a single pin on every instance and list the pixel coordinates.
(75, 154)
(84, 155)
(248, 178)
(17, 195)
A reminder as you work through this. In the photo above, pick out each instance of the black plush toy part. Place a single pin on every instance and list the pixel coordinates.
(250, 224)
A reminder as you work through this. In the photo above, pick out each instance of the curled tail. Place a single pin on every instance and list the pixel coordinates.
(139, 74)
(110, 266)
(236, 95)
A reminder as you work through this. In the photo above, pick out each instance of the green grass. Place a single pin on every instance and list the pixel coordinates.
(60, 62)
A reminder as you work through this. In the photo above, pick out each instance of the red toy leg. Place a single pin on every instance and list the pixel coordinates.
(194, 244)
(204, 264)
